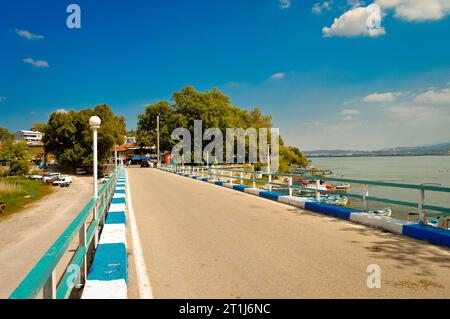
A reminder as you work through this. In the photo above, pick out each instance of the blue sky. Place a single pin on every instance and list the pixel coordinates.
(327, 83)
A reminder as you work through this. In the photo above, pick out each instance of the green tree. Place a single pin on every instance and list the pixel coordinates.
(69, 137)
(18, 156)
(215, 110)
(5, 134)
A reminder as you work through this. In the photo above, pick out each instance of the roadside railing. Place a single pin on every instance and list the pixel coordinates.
(257, 177)
(87, 224)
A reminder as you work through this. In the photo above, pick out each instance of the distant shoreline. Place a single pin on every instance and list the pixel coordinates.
(368, 155)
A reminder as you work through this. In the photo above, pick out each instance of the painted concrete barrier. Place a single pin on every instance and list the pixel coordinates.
(383, 222)
(328, 209)
(108, 276)
(428, 233)
(292, 200)
(422, 232)
(269, 195)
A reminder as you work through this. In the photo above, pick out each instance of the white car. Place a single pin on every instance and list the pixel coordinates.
(51, 176)
(36, 177)
(63, 181)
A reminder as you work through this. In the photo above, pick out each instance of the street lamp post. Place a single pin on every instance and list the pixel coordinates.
(95, 123)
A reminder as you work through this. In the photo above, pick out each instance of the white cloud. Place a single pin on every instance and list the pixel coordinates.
(284, 4)
(28, 35)
(418, 112)
(2, 98)
(355, 3)
(37, 63)
(381, 97)
(434, 96)
(318, 7)
(417, 10)
(61, 111)
(348, 114)
(278, 75)
(357, 21)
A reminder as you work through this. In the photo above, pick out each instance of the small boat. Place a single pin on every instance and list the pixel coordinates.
(343, 188)
(383, 212)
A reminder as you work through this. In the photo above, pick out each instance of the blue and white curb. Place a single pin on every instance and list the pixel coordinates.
(417, 231)
(108, 276)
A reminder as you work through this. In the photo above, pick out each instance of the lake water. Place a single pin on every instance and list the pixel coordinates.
(402, 169)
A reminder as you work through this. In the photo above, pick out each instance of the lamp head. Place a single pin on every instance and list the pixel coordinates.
(95, 122)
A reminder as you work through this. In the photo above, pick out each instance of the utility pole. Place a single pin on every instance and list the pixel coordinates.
(157, 130)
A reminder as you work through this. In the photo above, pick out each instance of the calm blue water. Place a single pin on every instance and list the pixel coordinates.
(407, 169)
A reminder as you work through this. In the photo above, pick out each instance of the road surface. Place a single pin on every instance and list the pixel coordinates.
(27, 235)
(204, 241)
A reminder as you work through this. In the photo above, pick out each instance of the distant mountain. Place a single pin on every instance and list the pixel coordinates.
(437, 149)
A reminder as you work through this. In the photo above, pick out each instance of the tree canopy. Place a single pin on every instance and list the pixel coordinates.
(69, 137)
(215, 110)
(5, 134)
(17, 156)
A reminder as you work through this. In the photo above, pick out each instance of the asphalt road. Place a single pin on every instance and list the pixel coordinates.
(204, 241)
(27, 235)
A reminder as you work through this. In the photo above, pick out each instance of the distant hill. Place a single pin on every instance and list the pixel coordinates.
(438, 149)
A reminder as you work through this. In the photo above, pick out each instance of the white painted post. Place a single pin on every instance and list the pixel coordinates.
(49, 290)
(421, 204)
(365, 195)
(95, 123)
(242, 178)
(254, 182)
(290, 186)
(115, 156)
(317, 190)
(231, 177)
(270, 181)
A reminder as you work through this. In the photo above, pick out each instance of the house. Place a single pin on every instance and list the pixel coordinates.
(32, 138)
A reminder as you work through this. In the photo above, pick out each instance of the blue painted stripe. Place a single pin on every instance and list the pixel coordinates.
(110, 263)
(269, 195)
(119, 191)
(220, 183)
(118, 201)
(328, 209)
(116, 218)
(429, 233)
(240, 188)
(205, 179)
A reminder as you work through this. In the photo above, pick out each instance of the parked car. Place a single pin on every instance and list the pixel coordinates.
(2, 207)
(104, 179)
(145, 163)
(80, 171)
(63, 181)
(36, 177)
(51, 177)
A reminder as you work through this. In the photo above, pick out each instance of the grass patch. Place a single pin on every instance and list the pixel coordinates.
(18, 192)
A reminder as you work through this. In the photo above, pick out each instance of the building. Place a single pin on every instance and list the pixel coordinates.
(130, 140)
(32, 138)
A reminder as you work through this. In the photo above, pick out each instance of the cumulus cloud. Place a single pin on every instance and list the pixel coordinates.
(278, 75)
(36, 63)
(434, 96)
(318, 7)
(348, 114)
(417, 10)
(284, 4)
(365, 21)
(2, 98)
(61, 111)
(381, 97)
(28, 35)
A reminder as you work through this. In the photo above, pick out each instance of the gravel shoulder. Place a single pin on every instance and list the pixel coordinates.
(26, 236)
